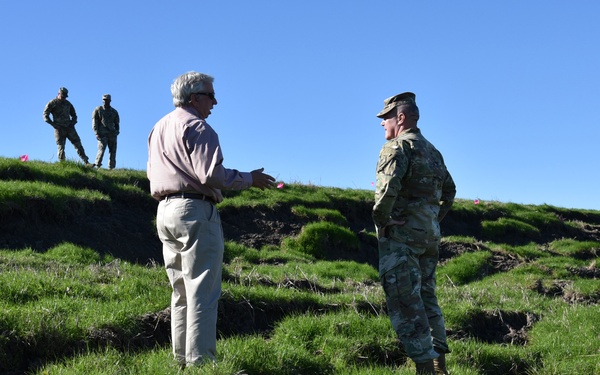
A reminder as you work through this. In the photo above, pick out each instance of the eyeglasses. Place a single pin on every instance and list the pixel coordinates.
(211, 95)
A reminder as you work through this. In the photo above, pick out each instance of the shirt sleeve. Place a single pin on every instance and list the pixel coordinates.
(95, 120)
(47, 111)
(391, 168)
(73, 115)
(447, 198)
(207, 160)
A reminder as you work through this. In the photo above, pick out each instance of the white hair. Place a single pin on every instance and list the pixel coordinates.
(187, 84)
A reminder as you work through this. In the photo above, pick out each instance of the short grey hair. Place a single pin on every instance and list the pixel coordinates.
(187, 84)
(409, 109)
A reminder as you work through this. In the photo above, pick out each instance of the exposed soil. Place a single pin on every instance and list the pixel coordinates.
(563, 289)
(497, 327)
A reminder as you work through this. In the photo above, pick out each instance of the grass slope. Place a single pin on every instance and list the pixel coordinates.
(82, 289)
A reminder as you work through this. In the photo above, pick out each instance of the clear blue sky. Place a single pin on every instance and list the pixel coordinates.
(508, 90)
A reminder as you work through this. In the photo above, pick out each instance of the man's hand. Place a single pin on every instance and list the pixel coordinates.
(262, 180)
(391, 223)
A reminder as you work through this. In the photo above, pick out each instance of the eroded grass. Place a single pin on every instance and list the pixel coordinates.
(518, 283)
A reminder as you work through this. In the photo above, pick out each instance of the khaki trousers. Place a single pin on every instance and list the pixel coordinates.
(109, 141)
(192, 237)
(61, 134)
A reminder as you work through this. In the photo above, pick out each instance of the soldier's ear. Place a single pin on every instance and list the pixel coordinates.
(401, 117)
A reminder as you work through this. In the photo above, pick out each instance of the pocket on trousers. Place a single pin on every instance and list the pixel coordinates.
(397, 282)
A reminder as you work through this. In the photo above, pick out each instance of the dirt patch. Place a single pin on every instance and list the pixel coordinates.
(124, 232)
(591, 232)
(498, 262)
(262, 226)
(497, 327)
(449, 250)
(589, 272)
(503, 262)
(151, 330)
(241, 317)
(564, 289)
(592, 253)
(388, 356)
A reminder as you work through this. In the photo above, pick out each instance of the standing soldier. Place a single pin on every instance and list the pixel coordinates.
(105, 122)
(63, 121)
(413, 194)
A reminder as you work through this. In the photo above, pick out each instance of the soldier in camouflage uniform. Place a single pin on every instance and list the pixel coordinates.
(413, 194)
(105, 123)
(63, 121)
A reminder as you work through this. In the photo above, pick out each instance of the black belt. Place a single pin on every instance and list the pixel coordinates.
(183, 194)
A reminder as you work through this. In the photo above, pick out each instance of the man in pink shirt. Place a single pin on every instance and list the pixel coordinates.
(186, 173)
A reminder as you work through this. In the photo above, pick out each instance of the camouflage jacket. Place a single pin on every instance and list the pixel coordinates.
(105, 121)
(413, 185)
(63, 113)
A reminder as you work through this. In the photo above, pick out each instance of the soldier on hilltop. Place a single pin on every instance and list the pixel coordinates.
(63, 121)
(105, 123)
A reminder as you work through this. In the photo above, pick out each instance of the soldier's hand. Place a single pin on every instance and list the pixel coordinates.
(395, 222)
(391, 223)
(262, 180)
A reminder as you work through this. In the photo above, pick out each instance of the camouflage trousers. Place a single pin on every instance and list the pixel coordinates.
(61, 134)
(412, 304)
(109, 141)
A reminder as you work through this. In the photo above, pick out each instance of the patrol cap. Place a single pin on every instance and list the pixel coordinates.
(64, 91)
(106, 97)
(396, 100)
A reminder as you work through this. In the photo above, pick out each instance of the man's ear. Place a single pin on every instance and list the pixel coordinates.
(401, 117)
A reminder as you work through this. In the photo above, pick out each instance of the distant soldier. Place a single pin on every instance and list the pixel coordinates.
(413, 194)
(63, 121)
(105, 123)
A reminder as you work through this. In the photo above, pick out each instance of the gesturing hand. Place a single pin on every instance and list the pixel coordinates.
(262, 180)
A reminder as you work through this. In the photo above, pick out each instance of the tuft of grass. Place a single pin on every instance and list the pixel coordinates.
(321, 214)
(68, 253)
(530, 250)
(322, 238)
(465, 268)
(294, 194)
(575, 248)
(504, 226)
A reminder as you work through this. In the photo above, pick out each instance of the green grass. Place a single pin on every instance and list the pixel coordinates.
(316, 238)
(74, 302)
(577, 249)
(503, 226)
(465, 268)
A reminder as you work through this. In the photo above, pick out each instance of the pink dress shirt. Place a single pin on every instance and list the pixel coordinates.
(184, 155)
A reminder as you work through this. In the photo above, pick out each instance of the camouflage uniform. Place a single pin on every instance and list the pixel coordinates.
(413, 185)
(63, 121)
(105, 123)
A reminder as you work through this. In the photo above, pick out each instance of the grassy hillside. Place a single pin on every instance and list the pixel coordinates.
(82, 289)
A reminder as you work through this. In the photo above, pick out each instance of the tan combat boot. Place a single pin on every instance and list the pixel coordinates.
(425, 368)
(439, 365)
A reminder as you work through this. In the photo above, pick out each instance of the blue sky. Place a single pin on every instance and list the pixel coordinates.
(508, 90)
